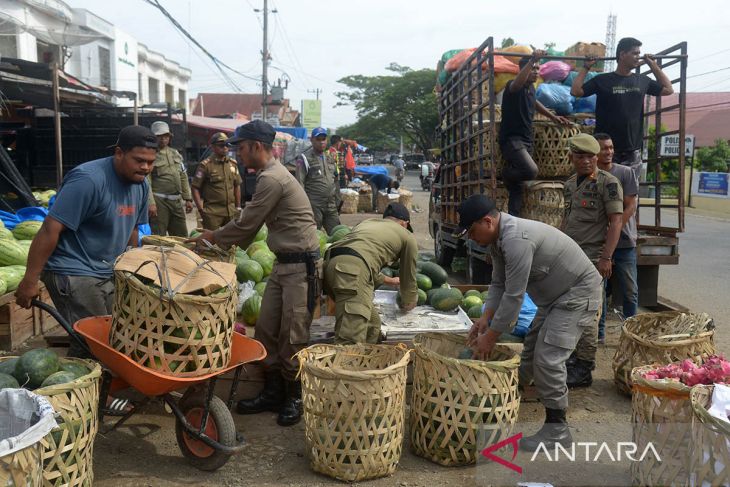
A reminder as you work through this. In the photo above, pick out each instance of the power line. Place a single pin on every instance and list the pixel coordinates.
(710, 55)
(708, 72)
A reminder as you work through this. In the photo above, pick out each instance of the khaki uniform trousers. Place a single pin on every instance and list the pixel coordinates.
(347, 280)
(214, 222)
(325, 215)
(588, 343)
(170, 218)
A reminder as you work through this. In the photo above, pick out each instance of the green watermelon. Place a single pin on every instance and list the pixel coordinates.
(12, 275)
(437, 274)
(6, 234)
(255, 247)
(7, 381)
(339, 234)
(429, 295)
(422, 298)
(3, 287)
(26, 230)
(322, 236)
(426, 256)
(472, 292)
(339, 227)
(395, 265)
(387, 271)
(266, 260)
(60, 377)
(466, 354)
(456, 293)
(423, 282)
(475, 312)
(445, 300)
(260, 288)
(240, 267)
(470, 301)
(251, 309)
(75, 368)
(262, 234)
(194, 233)
(484, 296)
(8, 366)
(35, 366)
(11, 253)
(249, 270)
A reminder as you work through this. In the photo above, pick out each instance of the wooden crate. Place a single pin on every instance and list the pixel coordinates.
(44, 322)
(18, 324)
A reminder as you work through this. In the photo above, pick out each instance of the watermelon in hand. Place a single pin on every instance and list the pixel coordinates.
(251, 309)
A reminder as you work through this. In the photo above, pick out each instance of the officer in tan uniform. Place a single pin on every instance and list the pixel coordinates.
(593, 218)
(352, 272)
(170, 189)
(316, 170)
(217, 185)
(293, 286)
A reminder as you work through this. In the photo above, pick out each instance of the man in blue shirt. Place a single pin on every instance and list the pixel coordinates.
(382, 182)
(93, 220)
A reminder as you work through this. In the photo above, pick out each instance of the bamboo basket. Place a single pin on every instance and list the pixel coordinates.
(542, 201)
(354, 408)
(551, 151)
(458, 404)
(383, 200)
(350, 202)
(406, 197)
(214, 253)
(365, 200)
(710, 461)
(660, 338)
(22, 468)
(661, 415)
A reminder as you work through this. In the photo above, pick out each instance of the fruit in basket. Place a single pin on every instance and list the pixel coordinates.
(249, 270)
(75, 368)
(475, 312)
(12, 275)
(262, 234)
(60, 377)
(8, 381)
(465, 354)
(11, 253)
(35, 366)
(26, 230)
(437, 273)
(251, 309)
(266, 261)
(8, 366)
(423, 282)
(472, 292)
(444, 299)
(470, 301)
(255, 247)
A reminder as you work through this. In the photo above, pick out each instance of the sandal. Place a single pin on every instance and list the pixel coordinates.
(118, 407)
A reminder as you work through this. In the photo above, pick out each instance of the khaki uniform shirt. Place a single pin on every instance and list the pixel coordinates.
(217, 179)
(587, 207)
(281, 203)
(381, 242)
(317, 175)
(533, 257)
(168, 175)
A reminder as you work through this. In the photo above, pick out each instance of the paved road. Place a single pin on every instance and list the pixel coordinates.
(700, 281)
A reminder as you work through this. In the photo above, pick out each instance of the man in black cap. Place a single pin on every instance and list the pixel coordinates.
(530, 256)
(352, 273)
(293, 286)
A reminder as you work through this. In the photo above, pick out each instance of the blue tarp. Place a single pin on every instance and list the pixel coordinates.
(298, 132)
(370, 170)
(37, 213)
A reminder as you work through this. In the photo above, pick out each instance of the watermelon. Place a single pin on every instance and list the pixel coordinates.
(456, 293)
(423, 282)
(12, 275)
(339, 235)
(255, 247)
(249, 270)
(11, 253)
(7, 381)
(6, 234)
(3, 287)
(395, 265)
(194, 233)
(422, 298)
(437, 274)
(465, 354)
(475, 312)
(251, 309)
(26, 230)
(35, 366)
(8, 366)
(75, 368)
(262, 234)
(429, 295)
(470, 301)
(2, 224)
(60, 377)
(445, 300)
(322, 236)
(472, 292)
(266, 260)
(260, 288)
(340, 227)
(426, 256)
(484, 296)
(240, 261)
(387, 271)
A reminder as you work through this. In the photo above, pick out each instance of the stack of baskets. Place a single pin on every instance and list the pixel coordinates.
(551, 150)
(542, 201)
(458, 404)
(406, 197)
(170, 323)
(365, 200)
(710, 457)
(354, 408)
(350, 200)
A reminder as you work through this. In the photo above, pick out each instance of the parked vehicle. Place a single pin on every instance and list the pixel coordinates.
(414, 161)
(364, 159)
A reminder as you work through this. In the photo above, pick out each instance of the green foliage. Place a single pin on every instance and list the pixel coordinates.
(507, 42)
(715, 158)
(391, 106)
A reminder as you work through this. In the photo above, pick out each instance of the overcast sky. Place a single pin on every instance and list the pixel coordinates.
(317, 43)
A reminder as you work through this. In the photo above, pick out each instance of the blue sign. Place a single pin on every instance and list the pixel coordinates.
(714, 183)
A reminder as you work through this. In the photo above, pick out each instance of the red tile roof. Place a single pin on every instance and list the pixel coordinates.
(227, 104)
(707, 116)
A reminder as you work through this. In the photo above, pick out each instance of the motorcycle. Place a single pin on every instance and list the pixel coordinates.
(399, 174)
(426, 182)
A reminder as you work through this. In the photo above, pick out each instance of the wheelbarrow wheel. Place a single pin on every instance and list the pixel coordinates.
(220, 427)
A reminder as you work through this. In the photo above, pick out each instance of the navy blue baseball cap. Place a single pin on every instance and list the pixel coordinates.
(319, 131)
(257, 130)
(471, 210)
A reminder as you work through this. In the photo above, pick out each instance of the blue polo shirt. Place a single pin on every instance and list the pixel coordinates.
(380, 181)
(99, 211)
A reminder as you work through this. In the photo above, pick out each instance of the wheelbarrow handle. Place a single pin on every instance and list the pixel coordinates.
(62, 321)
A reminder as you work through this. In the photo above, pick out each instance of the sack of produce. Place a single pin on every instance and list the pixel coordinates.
(554, 70)
(556, 97)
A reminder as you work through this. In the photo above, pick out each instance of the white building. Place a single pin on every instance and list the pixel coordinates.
(91, 49)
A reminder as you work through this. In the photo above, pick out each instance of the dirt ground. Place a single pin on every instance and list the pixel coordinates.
(144, 452)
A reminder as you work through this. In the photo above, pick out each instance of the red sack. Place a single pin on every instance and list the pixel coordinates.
(349, 159)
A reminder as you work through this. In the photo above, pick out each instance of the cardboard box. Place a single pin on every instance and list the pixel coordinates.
(597, 49)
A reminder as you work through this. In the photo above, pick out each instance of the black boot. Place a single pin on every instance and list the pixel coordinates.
(579, 374)
(555, 430)
(291, 412)
(270, 399)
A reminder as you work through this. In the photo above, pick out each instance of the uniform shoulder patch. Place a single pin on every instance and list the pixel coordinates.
(612, 190)
(199, 173)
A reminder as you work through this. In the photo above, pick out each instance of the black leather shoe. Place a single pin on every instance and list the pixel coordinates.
(291, 411)
(579, 374)
(270, 399)
(555, 430)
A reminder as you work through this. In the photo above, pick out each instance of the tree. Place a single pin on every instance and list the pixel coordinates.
(715, 158)
(391, 106)
(507, 42)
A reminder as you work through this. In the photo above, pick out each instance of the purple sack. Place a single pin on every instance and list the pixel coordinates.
(554, 71)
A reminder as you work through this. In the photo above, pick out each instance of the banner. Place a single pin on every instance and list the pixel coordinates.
(311, 113)
(712, 184)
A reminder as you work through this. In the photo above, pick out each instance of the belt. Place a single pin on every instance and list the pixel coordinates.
(337, 251)
(309, 258)
(173, 197)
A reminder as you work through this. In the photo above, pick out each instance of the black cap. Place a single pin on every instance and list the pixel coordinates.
(135, 136)
(256, 130)
(471, 210)
(399, 212)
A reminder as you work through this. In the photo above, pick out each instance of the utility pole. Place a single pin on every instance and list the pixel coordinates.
(316, 91)
(265, 62)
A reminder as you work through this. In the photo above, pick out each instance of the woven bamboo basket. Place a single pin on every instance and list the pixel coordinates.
(354, 408)
(406, 198)
(365, 200)
(660, 338)
(214, 253)
(457, 405)
(544, 201)
(661, 415)
(184, 335)
(710, 461)
(551, 151)
(383, 200)
(22, 468)
(350, 202)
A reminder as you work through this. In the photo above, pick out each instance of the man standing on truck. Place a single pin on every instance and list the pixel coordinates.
(317, 172)
(620, 99)
(515, 132)
(624, 257)
(593, 218)
(530, 256)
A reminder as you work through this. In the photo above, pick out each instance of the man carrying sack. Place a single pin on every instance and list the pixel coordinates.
(293, 286)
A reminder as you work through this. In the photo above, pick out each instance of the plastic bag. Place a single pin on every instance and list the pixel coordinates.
(25, 418)
(571, 76)
(504, 65)
(524, 320)
(245, 291)
(518, 48)
(501, 80)
(143, 230)
(458, 60)
(554, 71)
(586, 104)
(556, 97)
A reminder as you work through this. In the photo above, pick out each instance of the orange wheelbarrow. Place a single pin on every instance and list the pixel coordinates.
(204, 425)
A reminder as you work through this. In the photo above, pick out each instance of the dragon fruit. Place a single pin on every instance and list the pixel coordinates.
(714, 370)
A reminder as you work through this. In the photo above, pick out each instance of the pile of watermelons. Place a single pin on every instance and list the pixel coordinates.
(37, 369)
(14, 246)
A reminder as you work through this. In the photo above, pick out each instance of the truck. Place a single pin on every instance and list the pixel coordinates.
(467, 133)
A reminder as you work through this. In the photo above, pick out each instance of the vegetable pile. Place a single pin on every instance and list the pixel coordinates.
(715, 370)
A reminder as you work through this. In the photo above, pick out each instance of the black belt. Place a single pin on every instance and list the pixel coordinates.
(309, 258)
(337, 251)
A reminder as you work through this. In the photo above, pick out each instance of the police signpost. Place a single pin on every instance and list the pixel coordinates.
(669, 146)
